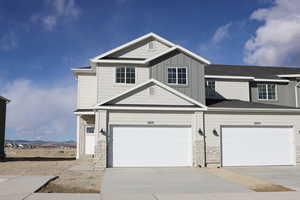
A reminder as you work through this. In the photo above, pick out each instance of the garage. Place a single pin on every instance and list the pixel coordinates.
(257, 146)
(150, 146)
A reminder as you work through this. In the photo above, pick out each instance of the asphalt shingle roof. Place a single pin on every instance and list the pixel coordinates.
(235, 103)
(254, 71)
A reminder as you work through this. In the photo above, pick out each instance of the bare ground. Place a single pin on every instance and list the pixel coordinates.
(54, 162)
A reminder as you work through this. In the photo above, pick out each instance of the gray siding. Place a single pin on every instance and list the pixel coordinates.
(195, 88)
(2, 126)
(285, 94)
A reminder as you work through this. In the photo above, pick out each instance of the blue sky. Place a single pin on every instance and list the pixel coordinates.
(40, 40)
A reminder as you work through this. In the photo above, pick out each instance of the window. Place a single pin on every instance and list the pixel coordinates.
(177, 75)
(89, 129)
(125, 75)
(266, 91)
(210, 86)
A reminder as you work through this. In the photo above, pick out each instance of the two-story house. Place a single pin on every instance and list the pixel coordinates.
(152, 103)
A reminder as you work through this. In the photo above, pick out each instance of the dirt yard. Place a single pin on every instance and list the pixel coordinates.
(55, 162)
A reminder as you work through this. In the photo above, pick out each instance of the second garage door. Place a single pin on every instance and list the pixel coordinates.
(150, 146)
(250, 146)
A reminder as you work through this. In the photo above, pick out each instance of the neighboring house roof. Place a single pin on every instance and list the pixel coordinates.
(144, 85)
(258, 72)
(4, 99)
(235, 103)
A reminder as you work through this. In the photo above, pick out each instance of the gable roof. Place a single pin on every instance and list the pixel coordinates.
(104, 58)
(144, 37)
(258, 73)
(149, 83)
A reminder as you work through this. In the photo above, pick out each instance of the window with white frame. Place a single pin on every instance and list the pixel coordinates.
(210, 86)
(266, 91)
(90, 129)
(177, 75)
(125, 75)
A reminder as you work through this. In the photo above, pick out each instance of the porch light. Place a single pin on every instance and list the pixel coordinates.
(102, 131)
(215, 132)
(200, 132)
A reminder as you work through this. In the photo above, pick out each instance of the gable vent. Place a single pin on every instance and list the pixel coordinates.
(151, 45)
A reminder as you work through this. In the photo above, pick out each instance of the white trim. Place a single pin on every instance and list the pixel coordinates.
(166, 42)
(229, 77)
(85, 113)
(271, 80)
(197, 57)
(162, 86)
(161, 54)
(254, 109)
(289, 75)
(77, 135)
(113, 61)
(5, 99)
(177, 47)
(149, 108)
(78, 70)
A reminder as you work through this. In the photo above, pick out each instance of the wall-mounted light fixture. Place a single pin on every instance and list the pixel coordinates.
(215, 132)
(102, 131)
(200, 132)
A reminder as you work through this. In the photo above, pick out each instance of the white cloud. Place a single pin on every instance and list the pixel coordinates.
(221, 33)
(56, 11)
(277, 41)
(39, 113)
(8, 42)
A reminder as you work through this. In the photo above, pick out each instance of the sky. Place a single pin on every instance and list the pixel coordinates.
(41, 40)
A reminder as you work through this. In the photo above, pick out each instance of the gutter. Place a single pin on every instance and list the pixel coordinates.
(287, 110)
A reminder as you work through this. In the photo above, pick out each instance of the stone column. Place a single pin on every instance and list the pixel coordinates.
(198, 140)
(101, 128)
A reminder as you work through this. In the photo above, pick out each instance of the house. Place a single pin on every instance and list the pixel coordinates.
(152, 103)
(3, 102)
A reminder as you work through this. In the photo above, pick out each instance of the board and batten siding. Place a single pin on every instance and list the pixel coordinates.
(108, 88)
(214, 121)
(285, 93)
(141, 50)
(87, 91)
(2, 126)
(195, 87)
(232, 89)
(154, 95)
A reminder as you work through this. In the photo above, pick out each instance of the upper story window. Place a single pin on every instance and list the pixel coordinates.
(125, 75)
(266, 91)
(177, 75)
(90, 129)
(210, 86)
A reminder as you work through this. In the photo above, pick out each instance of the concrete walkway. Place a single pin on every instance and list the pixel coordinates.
(20, 187)
(61, 196)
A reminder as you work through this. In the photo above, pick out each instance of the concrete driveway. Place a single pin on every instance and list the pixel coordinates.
(165, 181)
(288, 176)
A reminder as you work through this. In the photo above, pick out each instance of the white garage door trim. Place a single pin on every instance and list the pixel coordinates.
(158, 146)
(287, 157)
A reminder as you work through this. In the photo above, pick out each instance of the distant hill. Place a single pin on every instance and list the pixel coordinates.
(41, 143)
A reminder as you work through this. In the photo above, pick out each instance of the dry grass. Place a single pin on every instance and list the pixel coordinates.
(270, 188)
(54, 162)
(250, 182)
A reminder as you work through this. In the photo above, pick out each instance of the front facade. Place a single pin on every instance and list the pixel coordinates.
(3, 102)
(152, 103)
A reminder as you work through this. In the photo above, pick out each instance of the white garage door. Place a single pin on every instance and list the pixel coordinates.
(151, 147)
(250, 146)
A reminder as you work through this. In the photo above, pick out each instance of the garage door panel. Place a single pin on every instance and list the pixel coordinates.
(254, 146)
(151, 146)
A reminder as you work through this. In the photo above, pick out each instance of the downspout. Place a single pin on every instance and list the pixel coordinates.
(296, 94)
